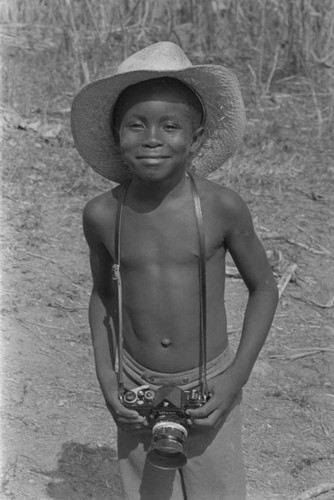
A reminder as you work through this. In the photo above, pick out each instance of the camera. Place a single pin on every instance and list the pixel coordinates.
(165, 412)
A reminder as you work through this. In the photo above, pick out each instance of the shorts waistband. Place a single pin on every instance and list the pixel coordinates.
(136, 374)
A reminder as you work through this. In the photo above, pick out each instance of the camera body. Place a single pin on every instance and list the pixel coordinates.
(166, 401)
(165, 412)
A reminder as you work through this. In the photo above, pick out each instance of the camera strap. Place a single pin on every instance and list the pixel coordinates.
(202, 283)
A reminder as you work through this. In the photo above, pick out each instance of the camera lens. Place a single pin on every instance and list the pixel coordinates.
(130, 397)
(149, 395)
(167, 451)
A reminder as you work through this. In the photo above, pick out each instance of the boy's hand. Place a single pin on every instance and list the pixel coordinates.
(127, 420)
(224, 390)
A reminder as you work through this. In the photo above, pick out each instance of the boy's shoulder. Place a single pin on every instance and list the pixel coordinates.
(220, 197)
(101, 210)
(104, 203)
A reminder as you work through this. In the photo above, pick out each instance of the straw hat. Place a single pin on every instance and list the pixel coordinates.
(216, 86)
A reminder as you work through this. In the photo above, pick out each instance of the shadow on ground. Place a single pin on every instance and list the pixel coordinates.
(85, 473)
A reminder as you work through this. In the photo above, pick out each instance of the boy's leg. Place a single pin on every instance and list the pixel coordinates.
(140, 480)
(215, 467)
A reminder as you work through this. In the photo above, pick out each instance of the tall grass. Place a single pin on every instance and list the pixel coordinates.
(271, 37)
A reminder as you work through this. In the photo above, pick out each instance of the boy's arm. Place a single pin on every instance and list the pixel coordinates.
(252, 263)
(100, 319)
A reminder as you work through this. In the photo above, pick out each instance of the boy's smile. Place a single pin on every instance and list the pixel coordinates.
(157, 134)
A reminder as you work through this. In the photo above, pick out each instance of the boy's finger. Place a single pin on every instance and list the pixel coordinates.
(121, 411)
(203, 411)
(130, 421)
(128, 414)
(209, 421)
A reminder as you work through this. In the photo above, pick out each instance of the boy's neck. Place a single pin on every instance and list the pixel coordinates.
(151, 194)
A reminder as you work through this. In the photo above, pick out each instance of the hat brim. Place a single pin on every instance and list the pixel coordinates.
(218, 89)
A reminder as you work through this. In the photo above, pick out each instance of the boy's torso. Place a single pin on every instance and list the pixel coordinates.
(160, 277)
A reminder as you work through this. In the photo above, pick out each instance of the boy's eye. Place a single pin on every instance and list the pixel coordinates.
(171, 126)
(135, 126)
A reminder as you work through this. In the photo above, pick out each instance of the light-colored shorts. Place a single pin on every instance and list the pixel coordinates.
(137, 374)
(215, 467)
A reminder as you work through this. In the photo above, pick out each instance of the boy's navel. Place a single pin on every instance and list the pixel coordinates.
(166, 342)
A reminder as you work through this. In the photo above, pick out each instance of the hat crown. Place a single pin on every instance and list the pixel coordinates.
(160, 56)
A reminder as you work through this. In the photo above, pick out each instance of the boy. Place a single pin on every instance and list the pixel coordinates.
(156, 127)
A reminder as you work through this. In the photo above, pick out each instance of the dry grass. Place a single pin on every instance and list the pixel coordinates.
(271, 37)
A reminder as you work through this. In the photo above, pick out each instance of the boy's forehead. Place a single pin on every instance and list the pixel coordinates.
(161, 89)
(157, 90)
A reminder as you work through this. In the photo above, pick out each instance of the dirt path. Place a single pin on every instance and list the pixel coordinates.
(58, 440)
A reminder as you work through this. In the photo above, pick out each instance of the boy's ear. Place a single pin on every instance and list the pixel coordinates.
(197, 139)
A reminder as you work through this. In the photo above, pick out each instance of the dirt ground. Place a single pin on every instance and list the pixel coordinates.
(58, 440)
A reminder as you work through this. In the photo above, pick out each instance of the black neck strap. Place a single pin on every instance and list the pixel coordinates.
(202, 283)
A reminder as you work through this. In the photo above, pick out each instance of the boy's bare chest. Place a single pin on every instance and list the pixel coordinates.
(159, 239)
(165, 236)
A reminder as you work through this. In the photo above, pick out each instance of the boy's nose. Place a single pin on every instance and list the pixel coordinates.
(152, 137)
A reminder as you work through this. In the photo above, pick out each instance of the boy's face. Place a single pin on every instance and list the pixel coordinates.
(158, 130)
